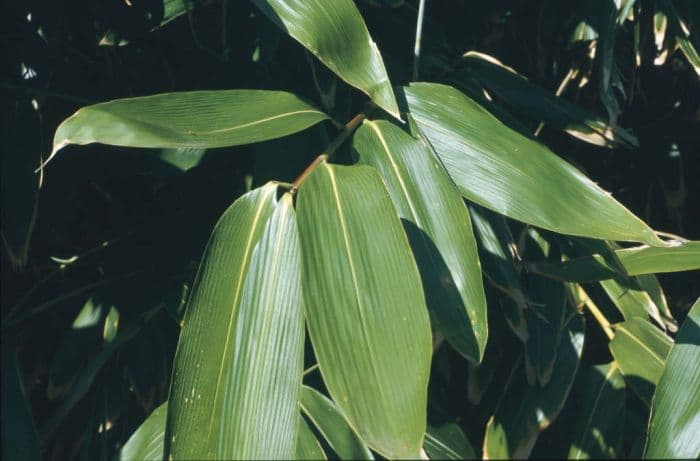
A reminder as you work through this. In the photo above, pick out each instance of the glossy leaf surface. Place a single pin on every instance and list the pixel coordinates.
(146, 443)
(196, 119)
(332, 425)
(365, 307)
(640, 349)
(602, 403)
(337, 35)
(500, 169)
(238, 364)
(439, 230)
(675, 410)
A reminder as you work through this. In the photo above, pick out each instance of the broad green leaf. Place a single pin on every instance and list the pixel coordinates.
(146, 443)
(543, 105)
(631, 300)
(238, 364)
(675, 409)
(640, 349)
(365, 307)
(307, 445)
(19, 434)
(447, 442)
(599, 423)
(335, 33)
(196, 120)
(525, 411)
(439, 230)
(331, 423)
(183, 158)
(496, 254)
(515, 176)
(636, 261)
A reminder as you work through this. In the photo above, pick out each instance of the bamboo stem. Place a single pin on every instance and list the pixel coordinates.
(597, 314)
(419, 34)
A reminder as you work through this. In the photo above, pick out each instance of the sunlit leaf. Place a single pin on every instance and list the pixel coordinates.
(238, 365)
(196, 119)
(337, 35)
(439, 230)
(146, 443)
(675, 409)
(307, 445)
(515, 176)
(329, 421)
(365, 307)
(640, 349)
(599, 423)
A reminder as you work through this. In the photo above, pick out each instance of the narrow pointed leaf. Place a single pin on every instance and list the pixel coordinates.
(366, 312)
(513, 175)
(307, 444)
(196, 119)
(447, 442)
(640, 349)
(439, 230)
(631, 300)
(599, 423)
(332, 425)
(146, 443)
(544, 105)
(335, 33)
(525, 411)
(238, 364)
(675, 410)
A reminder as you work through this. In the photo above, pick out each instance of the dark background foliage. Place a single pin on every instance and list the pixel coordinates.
(123, 229)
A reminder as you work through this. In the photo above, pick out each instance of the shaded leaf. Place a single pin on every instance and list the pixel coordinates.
(640, 350)
(307, 445)
(675, 409)
(196, 120)
(238, 365)
(525, 411)
(331, 423)
(516, 176)
(447, 442)
(146, 443)
(337, 35)
(439, 230)
(361, 283)
(599, 423)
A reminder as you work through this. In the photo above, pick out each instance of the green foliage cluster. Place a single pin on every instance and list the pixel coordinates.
(304, 229)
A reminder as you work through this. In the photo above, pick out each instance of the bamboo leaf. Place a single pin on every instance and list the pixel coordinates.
(675, 409)
(331, 423)
(337, 35)
(439, 230)
(599, 423)
(640, 350)
(238, 365)
(525, 411)
(543, 105)
(195, 120)
(515, 176)
(307, 444)
(146, 443)
(365, 307)
(447, 442)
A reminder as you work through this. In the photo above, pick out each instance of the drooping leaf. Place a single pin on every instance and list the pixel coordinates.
(19, 434)
(516, 176)
(525, 411)
(332, 425)
(631, 300)
(640, 349)
(307, 444)
(196, 119)
(439, 230)
(238, 364)
(447, 442)
(543, 105)
(675, 409)
(365, 307)
(146, 443)
(337, 35)
(599, 423)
